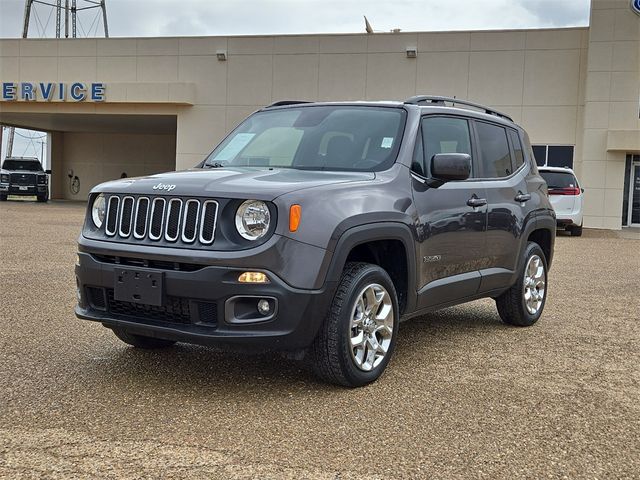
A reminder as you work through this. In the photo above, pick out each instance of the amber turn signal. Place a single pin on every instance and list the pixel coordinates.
(253, 277)
(295, 214)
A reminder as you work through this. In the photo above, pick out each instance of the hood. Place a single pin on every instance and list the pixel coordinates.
(255, 183)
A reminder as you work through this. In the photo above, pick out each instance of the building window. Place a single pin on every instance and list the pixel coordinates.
(554, 155)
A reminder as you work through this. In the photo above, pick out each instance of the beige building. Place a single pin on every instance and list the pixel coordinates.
(144, 105)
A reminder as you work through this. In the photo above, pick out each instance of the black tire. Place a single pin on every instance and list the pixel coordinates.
(511, 304)
(332, 353)
(140, 341)
(43, 198)
(3, 198)
(576, 231)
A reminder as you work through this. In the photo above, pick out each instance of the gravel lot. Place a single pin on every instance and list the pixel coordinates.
(464, 396)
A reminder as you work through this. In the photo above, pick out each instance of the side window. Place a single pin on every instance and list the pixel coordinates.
(517, 149)
(444, 135)
(495, 158)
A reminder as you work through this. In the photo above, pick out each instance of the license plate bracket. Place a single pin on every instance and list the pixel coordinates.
(138, 286)
(23, 189)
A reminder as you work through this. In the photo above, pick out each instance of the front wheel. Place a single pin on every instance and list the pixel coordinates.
(356, 341)
(43, 198)
(523, 303)
(140, 341)
(3, 198)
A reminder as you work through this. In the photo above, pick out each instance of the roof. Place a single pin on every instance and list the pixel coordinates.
(423, 101)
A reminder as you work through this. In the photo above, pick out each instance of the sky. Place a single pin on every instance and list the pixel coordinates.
(249, 17)
(149, 18)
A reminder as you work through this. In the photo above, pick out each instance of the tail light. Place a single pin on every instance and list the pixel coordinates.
(564, 191)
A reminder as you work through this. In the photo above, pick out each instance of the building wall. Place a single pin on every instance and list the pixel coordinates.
(536, 76)
(94, 157)
(611, 105)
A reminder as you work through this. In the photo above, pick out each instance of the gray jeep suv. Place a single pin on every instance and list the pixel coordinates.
(317, 227)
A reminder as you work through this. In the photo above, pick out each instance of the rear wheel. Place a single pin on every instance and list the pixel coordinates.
(576, 231)
(523, 303)
(356, 341)
(140, 341)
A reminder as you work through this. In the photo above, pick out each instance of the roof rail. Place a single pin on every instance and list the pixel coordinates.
(437, 100)
(282, 103)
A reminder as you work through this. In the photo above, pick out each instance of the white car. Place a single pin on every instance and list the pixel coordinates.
(566, 195)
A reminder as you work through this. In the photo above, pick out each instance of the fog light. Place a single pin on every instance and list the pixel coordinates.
(263, 307)
(77, 260)
(253, 277)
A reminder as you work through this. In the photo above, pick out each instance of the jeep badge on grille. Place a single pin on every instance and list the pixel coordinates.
(162, 186)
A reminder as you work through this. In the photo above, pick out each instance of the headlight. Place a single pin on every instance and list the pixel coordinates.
(252, 219)
(98, 210)
(4, 178)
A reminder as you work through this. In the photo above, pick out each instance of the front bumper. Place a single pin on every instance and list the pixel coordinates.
(200, 306)
(26, 190)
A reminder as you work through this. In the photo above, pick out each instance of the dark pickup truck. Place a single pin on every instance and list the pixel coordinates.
(24, 176)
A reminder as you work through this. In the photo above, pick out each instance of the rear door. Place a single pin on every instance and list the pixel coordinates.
(450, 229)
(505, 173)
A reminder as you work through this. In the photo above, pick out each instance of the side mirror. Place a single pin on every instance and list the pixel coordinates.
(451, 166)
(48, 172)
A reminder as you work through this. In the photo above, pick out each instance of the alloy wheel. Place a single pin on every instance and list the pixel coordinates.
(535, 280)
(372, 320)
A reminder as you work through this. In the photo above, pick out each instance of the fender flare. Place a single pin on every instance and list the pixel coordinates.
(372, 232)
(547, 221)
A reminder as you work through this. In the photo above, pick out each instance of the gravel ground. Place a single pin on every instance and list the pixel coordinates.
(464, 396)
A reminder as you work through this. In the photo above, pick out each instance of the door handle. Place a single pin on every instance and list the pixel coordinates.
(522, 197)
(476, 202)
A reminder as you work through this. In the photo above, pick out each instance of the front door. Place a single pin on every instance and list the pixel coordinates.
(451, 219)
(634, 196)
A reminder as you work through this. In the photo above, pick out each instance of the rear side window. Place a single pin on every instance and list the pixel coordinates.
(517, 149)
(444, 135)
(559, 179)
(495, 158)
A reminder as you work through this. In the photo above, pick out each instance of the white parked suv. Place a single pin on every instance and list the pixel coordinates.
(566, 195)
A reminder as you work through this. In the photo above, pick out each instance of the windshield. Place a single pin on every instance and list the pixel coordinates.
(559, 179)
(345, 138)
(29, 165)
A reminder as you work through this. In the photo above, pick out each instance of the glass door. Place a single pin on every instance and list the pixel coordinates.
(634, 195)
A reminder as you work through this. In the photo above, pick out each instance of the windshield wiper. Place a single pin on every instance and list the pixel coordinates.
(213, 165)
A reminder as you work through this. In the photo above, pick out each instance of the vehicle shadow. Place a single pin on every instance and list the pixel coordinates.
(202, 369)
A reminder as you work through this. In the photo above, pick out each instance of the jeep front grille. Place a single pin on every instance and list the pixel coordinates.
(159, 219)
